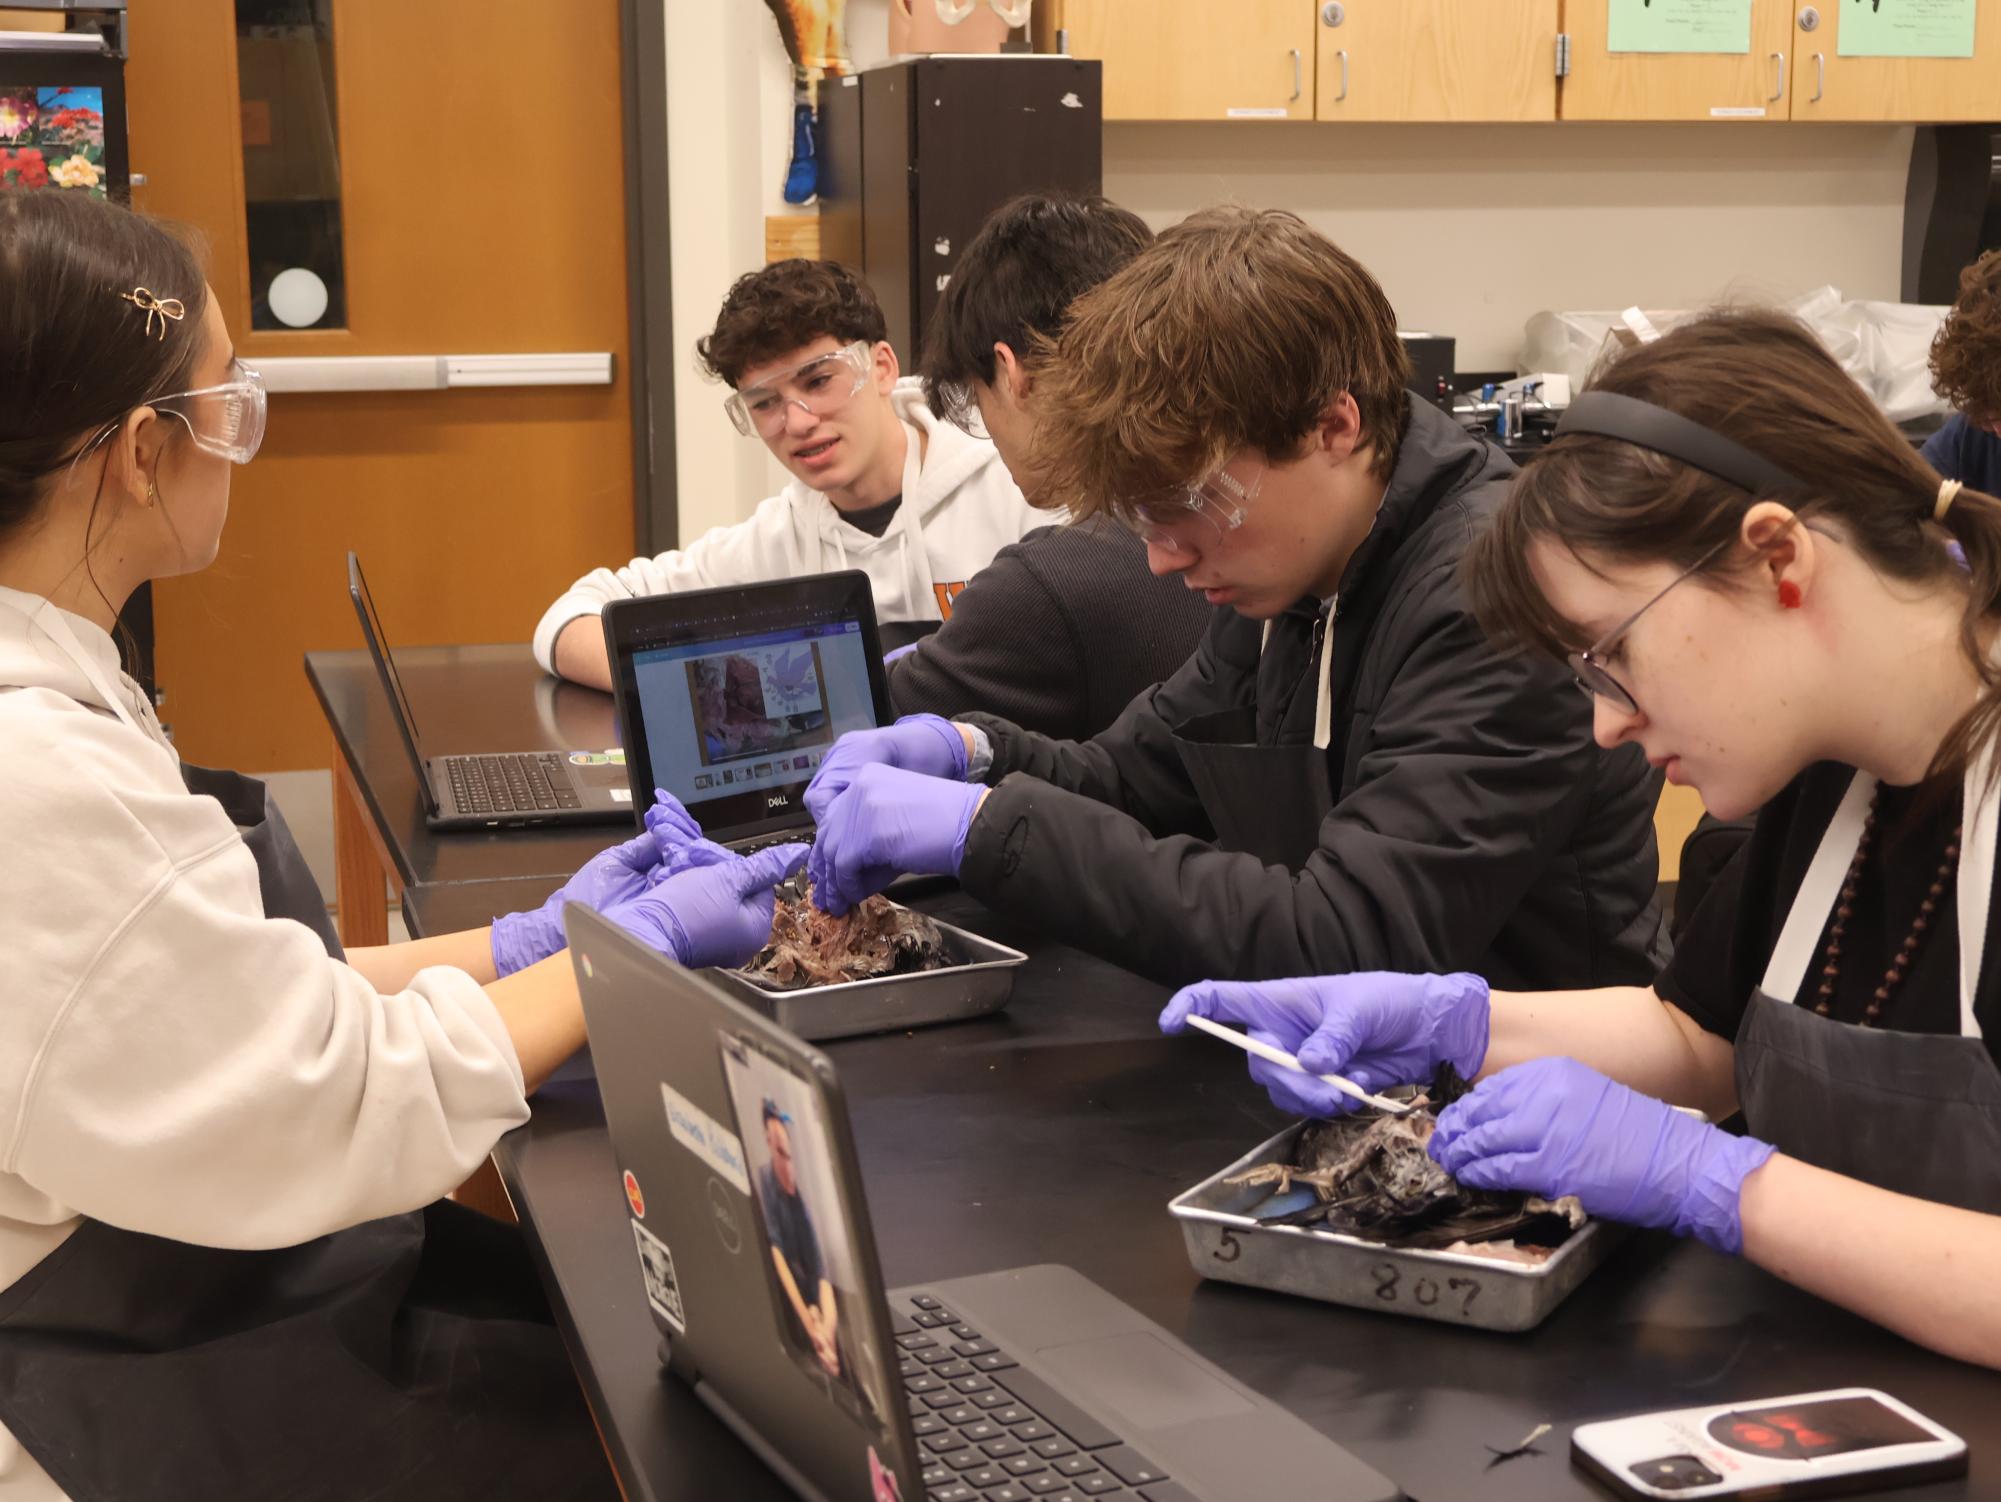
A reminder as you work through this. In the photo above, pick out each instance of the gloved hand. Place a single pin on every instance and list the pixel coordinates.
(899, 653)
(711, 915)
(679, 837)
(1379, 1028)
(1554, 1127)
(888, 822)
(916, 743)
(518, 940)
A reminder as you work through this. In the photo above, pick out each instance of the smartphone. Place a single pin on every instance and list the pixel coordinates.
(1816, 1444)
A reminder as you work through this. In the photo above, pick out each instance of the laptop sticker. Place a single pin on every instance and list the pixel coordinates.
(613, 756)
(620, 795)
(633, 1197)
(705, 1137)
(881, 1480)
(663, 1288)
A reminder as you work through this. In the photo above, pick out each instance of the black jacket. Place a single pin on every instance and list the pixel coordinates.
(1057, 634)
(1476, 826)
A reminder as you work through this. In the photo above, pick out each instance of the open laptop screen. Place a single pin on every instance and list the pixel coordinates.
(731, 699)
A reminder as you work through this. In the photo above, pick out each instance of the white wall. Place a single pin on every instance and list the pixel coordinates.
(1471, 229)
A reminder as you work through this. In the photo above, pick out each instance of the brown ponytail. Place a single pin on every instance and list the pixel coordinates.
(1762, 379)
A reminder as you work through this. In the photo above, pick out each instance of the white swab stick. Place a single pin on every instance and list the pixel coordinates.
(1286, 1061)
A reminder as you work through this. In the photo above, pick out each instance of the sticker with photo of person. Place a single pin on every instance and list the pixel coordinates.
(811, 1265)
(656, 1270)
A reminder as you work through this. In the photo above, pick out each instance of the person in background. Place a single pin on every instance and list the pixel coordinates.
(1064, 628)
(1966, 371)
(1745, 563)
(878, 482)
(1345, 769)
(224, 1267)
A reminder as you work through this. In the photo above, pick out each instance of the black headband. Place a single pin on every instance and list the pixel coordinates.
(1627, 418)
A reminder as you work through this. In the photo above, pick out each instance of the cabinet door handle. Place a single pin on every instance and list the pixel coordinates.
(1779, 92)
(1819, 77)
(1296, 74)
(1342, 53)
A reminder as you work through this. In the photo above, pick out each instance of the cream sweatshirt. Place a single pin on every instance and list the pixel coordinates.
(172, 1061)
(959, 509)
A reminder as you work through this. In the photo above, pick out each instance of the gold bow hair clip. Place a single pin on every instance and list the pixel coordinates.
(156, 308)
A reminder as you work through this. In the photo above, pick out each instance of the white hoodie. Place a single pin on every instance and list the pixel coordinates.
(959, 509)
(172, 1061)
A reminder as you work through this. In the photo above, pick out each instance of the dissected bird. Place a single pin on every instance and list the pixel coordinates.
(1371, 1176)
(809, 947)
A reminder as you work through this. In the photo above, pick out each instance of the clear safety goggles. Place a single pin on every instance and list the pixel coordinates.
(226, 420)
(1220, 499)
(820, 387)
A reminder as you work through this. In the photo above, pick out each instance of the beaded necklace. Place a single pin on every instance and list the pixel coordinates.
(1920, 925)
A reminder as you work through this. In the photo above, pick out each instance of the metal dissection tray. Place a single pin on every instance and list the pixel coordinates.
(1454, 1288)
(979, 980)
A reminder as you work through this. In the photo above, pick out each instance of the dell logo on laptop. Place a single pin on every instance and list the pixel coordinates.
(781, 800)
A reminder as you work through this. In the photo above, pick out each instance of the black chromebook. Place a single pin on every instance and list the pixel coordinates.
(502, 788)
(759, 1267)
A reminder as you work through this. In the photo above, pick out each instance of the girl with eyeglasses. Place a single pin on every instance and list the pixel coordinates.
(1763, 585)
(223, 1268)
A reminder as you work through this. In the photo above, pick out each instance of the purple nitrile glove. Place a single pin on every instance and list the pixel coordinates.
(1378, 1028)
(916, 743)
(1555, 1126)
(682, 845)
(711, 915)
(519, 940)
(899, 653)
(888, 822)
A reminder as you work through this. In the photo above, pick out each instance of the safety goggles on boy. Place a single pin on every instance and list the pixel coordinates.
(820, 387)
(1220, 499)
(225, 420)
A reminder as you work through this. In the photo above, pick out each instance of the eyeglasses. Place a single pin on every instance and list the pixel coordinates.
(819, 387)
(1589, 665)
(1220, 499)
(226, 420)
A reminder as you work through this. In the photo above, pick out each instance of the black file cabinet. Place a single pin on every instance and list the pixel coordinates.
(915, 154)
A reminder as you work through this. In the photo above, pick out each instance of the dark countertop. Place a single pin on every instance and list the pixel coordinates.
(1059, 1129)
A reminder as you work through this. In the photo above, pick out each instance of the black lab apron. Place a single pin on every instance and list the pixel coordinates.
(1266, 801)
(352, 1366)
(1915, 1113)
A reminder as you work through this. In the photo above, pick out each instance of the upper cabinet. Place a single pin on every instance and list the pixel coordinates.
(1436, 60)
(1499, 60)
(1839, 78)
(1197, 59)
(1601, 84)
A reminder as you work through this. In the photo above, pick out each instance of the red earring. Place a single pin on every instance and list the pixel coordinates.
(1789, 595)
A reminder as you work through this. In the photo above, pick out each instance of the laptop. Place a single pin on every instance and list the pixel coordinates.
(731, 698)
(759, 1266)
(502, 789)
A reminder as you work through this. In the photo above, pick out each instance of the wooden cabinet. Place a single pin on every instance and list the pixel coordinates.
(1198, 59)
(1828, 86)
(1437, 60)
(1604, 85)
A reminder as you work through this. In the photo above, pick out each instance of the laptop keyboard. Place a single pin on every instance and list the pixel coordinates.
(520, 783)
(990, 1431)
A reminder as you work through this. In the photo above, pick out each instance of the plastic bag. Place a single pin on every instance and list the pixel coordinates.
(1883, 345)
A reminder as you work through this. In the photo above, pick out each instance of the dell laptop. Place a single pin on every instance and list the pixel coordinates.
(753, 1242)
(502, 789)
(730, 698)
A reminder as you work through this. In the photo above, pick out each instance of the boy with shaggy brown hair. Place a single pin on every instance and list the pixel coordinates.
(1346, 775)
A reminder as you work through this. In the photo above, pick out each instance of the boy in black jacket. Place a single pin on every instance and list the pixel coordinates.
(1346, 775)
(1065, 627)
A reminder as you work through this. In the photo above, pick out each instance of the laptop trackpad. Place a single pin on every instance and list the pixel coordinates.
(1140, 1378)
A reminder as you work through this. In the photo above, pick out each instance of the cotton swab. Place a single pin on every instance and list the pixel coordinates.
(1286, 1061)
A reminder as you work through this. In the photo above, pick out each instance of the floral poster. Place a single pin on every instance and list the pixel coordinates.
(52, 137)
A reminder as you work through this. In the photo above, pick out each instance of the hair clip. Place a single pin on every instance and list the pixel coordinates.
(156, 307)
